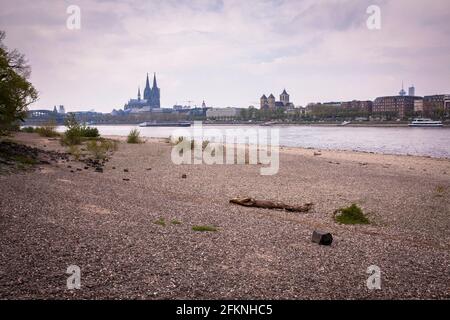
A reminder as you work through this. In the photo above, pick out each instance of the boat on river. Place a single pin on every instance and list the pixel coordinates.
(425, 122)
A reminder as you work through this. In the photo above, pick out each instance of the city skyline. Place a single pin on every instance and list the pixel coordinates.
(227, 53)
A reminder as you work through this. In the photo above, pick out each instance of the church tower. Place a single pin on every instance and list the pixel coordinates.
(271, 101)
(155, 94)
(147, 91)
(284, 97)
(264, 104)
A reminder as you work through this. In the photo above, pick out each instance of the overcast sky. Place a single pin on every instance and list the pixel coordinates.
(229, 53)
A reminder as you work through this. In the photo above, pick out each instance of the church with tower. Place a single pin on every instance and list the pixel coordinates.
(150, 100)
(269, 103)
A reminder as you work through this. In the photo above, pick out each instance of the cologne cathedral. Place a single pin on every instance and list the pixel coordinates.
(151, 99)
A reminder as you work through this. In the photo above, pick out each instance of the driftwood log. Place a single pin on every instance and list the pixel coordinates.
(250, 202)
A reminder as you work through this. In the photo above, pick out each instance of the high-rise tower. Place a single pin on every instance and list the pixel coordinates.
(402, 92)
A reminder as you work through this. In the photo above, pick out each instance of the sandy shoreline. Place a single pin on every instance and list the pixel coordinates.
(52, 218)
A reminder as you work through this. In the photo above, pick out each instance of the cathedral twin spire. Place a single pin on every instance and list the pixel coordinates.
(152, 95)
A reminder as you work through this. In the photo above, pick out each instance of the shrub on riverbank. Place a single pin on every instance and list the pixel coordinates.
(89, 132)
(134, 136)
(77, 132)
(351, 215)
(27, 129)
(47, 130)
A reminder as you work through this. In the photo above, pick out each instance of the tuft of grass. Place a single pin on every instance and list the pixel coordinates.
(99, 147)
(134, 136)
(96, 149)
(204, 228)
(24, 160)
(178, 140)
(440, 191)
(47, 130)
(75, 151)
(110, 145)
(351, 215)
(175, 222)
(160, 222)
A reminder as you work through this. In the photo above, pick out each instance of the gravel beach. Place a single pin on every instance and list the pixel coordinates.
(51, 218)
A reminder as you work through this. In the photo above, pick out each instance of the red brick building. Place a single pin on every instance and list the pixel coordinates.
(395, 106)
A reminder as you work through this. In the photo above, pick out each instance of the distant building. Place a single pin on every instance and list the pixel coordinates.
(223, 113)
(436, 105)
(60, 109)
(418, 106)
(411, 91)
(397, 106)
(151, 100)
(323, 110)
(271, 103)
(198, 112)
(358, 106)
(179, 108)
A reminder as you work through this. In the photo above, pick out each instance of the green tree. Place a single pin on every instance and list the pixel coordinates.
(16, 92)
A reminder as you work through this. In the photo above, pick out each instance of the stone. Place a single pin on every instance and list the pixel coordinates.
(184, 176)
(126, 179)
(148, 169)
(322, 238)
(317, 154)
(125, 170)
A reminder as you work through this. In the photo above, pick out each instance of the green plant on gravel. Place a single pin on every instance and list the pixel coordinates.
(351, 215)
(134, 136)
(179, 140)
(160, 222)
(440, 191)
(75, 151)
(89, 132)
(110, 145)
(99, 148)
(174, 221)
(27, 129)
(76, 132)
(47, 130)
(24, 160)
(204, 228)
